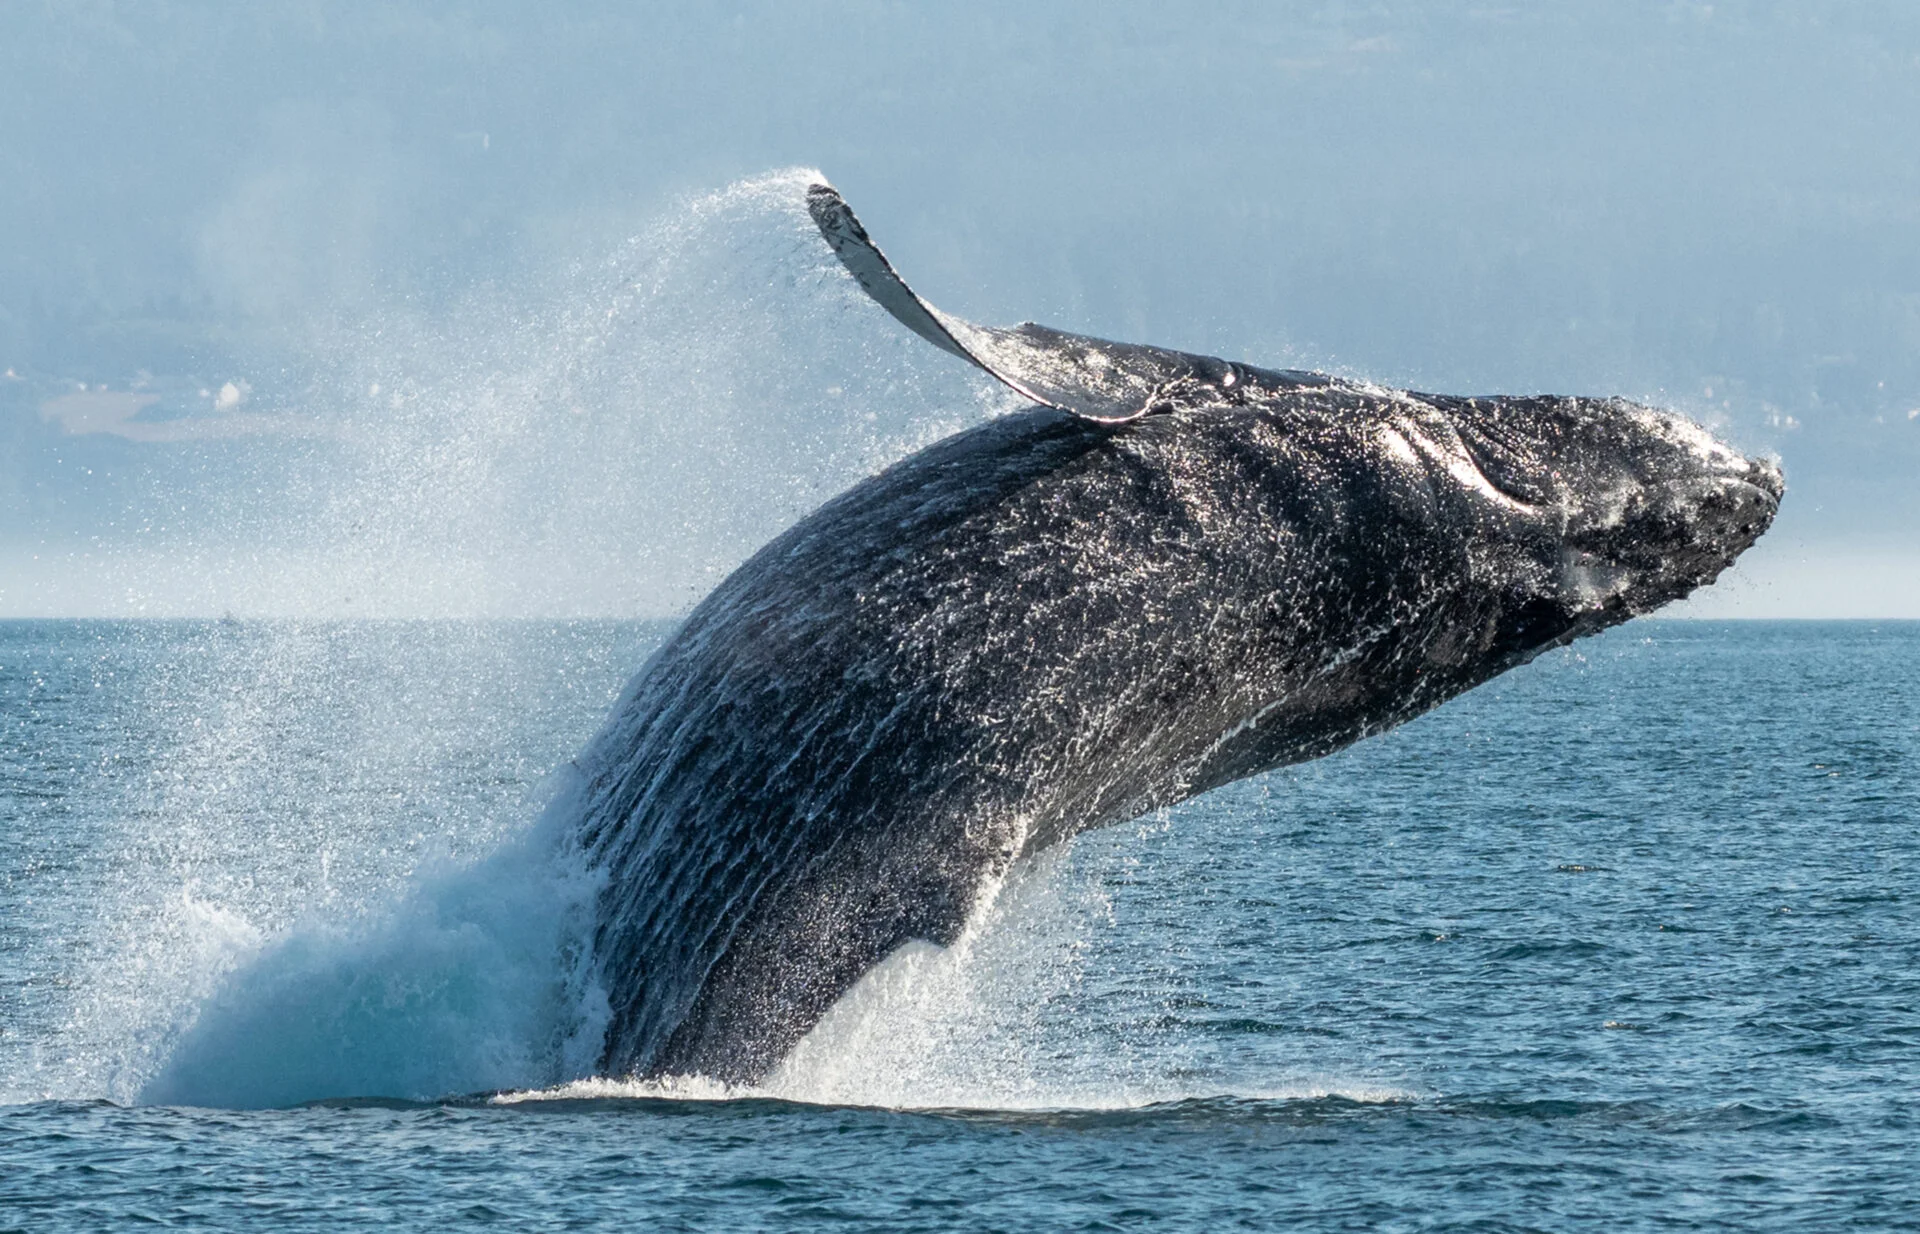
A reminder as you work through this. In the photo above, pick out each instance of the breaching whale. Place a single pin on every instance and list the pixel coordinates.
(1170, 572)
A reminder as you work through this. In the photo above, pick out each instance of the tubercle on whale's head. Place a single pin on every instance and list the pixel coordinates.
(1620, 508)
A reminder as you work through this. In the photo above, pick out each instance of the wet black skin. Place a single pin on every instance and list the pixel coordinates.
(1048, 624)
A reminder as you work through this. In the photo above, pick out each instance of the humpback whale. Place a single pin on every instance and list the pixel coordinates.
(1168, 572)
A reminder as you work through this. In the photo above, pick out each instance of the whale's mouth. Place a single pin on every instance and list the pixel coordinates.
(1665, 539)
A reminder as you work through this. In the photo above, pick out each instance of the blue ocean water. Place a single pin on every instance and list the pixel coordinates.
(1623, 939)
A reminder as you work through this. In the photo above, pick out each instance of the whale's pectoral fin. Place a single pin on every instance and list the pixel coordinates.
(1090, 377)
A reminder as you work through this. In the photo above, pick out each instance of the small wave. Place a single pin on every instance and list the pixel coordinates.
(1571, 949)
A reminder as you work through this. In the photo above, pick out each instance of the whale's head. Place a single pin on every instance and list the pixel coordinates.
(1592, 510)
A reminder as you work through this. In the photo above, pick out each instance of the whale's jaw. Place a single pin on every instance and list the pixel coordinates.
(1691, 514)
(1703, 526)
(1624, 508)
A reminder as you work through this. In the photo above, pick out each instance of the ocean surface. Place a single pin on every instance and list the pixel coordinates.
(1626, 939)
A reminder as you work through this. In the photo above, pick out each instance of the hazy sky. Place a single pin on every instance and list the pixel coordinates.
(435, 308)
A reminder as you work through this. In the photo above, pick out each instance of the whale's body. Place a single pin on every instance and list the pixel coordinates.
(1171, 574)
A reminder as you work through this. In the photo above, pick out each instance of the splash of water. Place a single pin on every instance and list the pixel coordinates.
(614, 440)
(638, 430)
(619, 444)
(476, 981)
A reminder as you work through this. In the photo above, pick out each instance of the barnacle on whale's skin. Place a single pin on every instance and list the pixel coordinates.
(1172, 572)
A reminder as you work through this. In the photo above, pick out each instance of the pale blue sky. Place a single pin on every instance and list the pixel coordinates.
(1712, 207)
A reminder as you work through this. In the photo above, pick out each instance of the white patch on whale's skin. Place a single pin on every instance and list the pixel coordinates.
(1397, 446)
(1459, 466)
